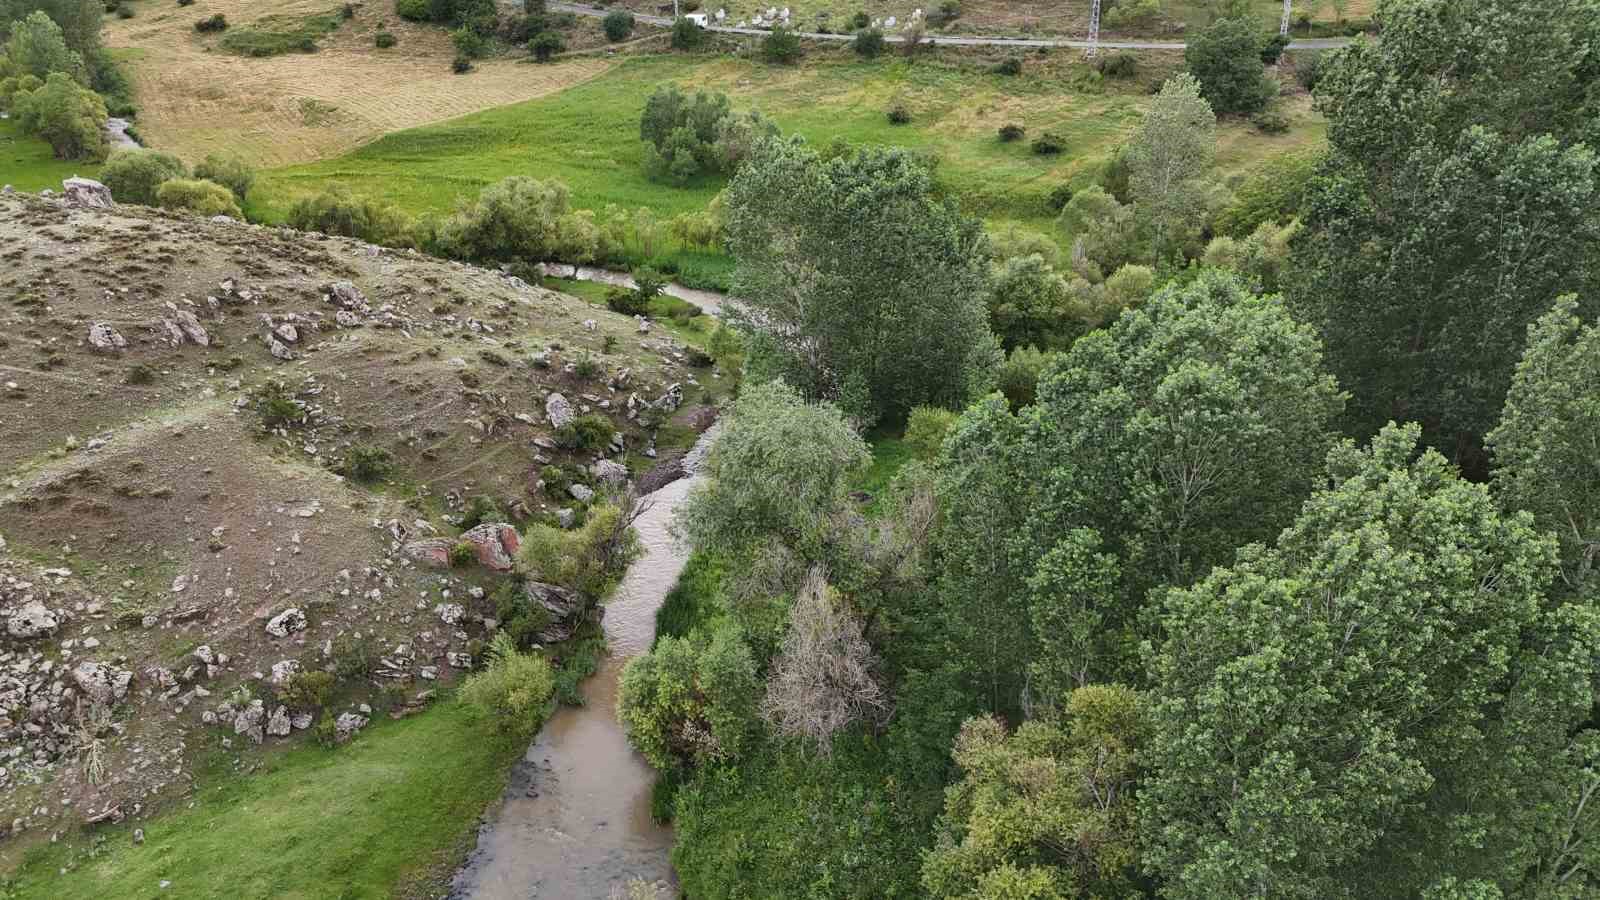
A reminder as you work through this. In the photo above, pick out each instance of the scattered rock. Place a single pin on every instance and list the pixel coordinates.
(581, 493)
(348, 724)
(496, 543)
(30, 620)
(278, 723)
(249, 721)
(279, 349)
(283, 670)
(610, 473)
(286, 622)
(191, 328)
(450, 613)
(105, 338)
(86, 193)
(101, 682)
(558, 410)
(432, 551)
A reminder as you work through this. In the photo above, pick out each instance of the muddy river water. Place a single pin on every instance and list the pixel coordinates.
(575, 820)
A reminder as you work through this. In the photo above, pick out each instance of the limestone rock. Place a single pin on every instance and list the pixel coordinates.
(102, 682)
(30, 620)
(558, 410)
(279, 349)
(283, 670)
(287, 333)
(432, 551)
(496, 544)
(347, 295)
(346, 318)
(450, 613)
(86, 193)
(581, 493)
(286, 622)
(249, 721)
(105, 338)
(191, 328)
(611, 473)
(278, 723)
(348, 724)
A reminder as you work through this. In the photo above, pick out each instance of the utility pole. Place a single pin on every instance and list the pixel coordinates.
(1283, 26)
(1094, 29)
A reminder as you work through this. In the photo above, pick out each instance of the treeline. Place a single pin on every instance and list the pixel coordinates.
(56, 78)
(1249, 592)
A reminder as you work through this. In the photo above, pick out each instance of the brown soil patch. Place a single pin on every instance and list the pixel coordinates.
(194, 99)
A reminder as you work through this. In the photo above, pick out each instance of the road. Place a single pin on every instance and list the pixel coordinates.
(952, 41)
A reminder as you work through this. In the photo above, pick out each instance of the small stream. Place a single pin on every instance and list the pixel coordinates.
(575, 820)
(710, 302)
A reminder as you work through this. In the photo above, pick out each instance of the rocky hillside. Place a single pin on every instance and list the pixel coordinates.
(234, 453)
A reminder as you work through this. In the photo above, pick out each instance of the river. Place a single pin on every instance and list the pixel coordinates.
(710, 302)
(575, 820)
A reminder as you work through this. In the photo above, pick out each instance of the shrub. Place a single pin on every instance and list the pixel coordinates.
(185, 2)
(480, 508)
(124, 11)
(781, 46)
(462, 554)
(869, 42)
(590, 431)
(218, 22)
(898, 114)
(1059, 197)
(274, 404)
(353, 659)
(461, 65)
(139, 373)
(860, 20)
(1018, 376)
(586, 367)
(367, 464)
(1270, 122)
(1118, 65)
(308, 689)
(1049, 144)
(588, 559)
(1273, 48)
(134, 175)
(1011, 65)
(68, 116)
(518, 219)
(412, 10)
(686, 35)
(230, 171)
(513, 691)
(198, 196)
(690, 700)
(1308, 69)
(618, 25)
(12, 88)
(546, 44)
(468, 42)
(926, 428)
(383, 40)
(336, 211)
(347, 12)
(1011, 132)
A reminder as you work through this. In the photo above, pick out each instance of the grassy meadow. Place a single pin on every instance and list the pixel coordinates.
(388, 815)
(27, 164)
(587, 136)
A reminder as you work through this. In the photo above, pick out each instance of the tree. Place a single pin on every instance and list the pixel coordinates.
(1460, 196)
(1546, 448)
(228, 170)
(781, 46)
(689, 701)
(1172, 149)
(134, 176)
(686, 35)
(37, 46)
(1028, 305)
(618, 25)
(519, 218)
(1225, 59)
(546, 44)
(1045, 812)
(1190, 426)
(868, 43)
(1379, 703)
(70, 117)
(896, 322)
(823, 679)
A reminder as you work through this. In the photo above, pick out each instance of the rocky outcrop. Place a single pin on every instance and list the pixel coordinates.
(610, 473)
(86, 193)
(496, 544)
(31, 619)
(278, 722)
(102, 682)
(286, 623)
(558, 410)
(106, 339)
(250, 720)
(429, 551)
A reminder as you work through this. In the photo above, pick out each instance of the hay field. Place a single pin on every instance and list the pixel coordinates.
(194, 99)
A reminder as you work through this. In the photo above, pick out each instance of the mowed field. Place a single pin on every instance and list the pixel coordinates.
(195, 99)
(588, 135)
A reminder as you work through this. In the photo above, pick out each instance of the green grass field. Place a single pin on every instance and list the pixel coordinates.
(587, 137)
(388, 815)
(27, 164)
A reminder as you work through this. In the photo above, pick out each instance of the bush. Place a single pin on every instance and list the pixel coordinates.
(514, 690)
(308, 689)
(68, 116)
(134, 176)
(124, 11)
(518, 219)
(336, 211)
(1308, 69)
(546, 44)
(412, 10)
(1049, 144)
(1011, 132)
(383, 40)
(590, 431)
(185, 2)
(686, 35)
(1270, 122)
(462, 554)
(468, 42)
(1059, 197)
(898, 114)
(275, 405)
(868, 43)
(12, 88)
(1011, 65)
(1273, 49)
(860, 20)
(198, 196)
(781, 46)
(480, 508)
(139, 373)
(618, 25)
(461, 65)
(1018, 376)
(690, 700)
(588, 559)
(218, 22)
(1226, 59)
(230, 171)
(367, 464)
(1118, 65)
(926, 428)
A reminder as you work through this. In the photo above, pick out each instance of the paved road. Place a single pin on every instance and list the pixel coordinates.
(953, 41)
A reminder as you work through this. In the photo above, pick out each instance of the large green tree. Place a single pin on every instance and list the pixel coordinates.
(1225, 59)
(1459, 198)
(1172, 149)
(1547, 446)
(1378, 705)
(37, 47)
(70, 117)
(856, 283)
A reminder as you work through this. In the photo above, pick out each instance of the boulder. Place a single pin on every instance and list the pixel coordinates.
(191, 328)
(287, 332)
(278, 722)
(450, 613)
(558, 410)
(581, 493)
(105, 338)
(101, 682)
(610, 473)
(283, 670)
(347, 319)
(86, 193)
(496, 544)
(279, 349)
(287, 622)
(348, 724)
(249, 721)
(30, 620)
(346, 295)
(560, 602)
(432, 551)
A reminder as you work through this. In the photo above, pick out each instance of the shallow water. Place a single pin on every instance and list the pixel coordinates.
(575, 820)
(710, 302)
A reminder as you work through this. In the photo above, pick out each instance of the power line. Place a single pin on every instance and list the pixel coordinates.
(1094, 29)
(1283, 26)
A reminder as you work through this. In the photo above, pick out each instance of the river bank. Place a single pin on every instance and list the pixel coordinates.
(575, 819)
